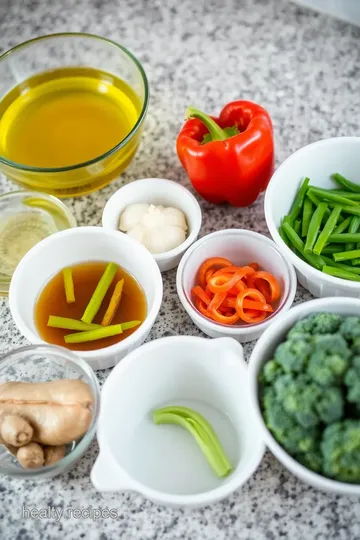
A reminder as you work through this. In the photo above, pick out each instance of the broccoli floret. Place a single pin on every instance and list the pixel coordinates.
(340, 449)
(329, 359)
(330, 406)
(317, 323)
(287, 432)
(352, 382)
(356, 346)
(298, 396)
(350, 328)
(271, 371)
(312, 460)
(307, 402)
(293, 355)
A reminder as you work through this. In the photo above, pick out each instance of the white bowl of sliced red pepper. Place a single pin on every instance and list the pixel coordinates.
(312, 210)
(234, 282)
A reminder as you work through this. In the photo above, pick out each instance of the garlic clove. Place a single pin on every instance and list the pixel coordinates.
(153, 218)
(138, 233)
(174, 216)
(132, 215)
(162, 239)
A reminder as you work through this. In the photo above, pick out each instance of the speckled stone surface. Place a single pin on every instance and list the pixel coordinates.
(305, 69)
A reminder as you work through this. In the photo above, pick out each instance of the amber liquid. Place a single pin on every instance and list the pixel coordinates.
(86, 276)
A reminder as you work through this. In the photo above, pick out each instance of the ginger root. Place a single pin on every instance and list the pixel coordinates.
(15, 430)
(53, 454)
(59, 412)
(30, 456)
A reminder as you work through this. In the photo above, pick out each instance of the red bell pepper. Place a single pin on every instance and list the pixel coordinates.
(230, 158)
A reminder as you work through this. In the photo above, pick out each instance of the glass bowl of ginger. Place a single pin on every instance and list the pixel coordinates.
(72, 108)
(49, 400)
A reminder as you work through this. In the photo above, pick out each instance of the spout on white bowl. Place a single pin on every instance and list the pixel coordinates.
(106, 475)
(231, 345)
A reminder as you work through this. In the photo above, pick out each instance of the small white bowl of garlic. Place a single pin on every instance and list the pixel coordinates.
(161, 214)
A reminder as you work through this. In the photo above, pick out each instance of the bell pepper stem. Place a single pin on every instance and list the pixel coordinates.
(216, 132)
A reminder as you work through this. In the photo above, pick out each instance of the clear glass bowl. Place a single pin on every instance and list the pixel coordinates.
(57, 51)
(40, 363)
(17, 207)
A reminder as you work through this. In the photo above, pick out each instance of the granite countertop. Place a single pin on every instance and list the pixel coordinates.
(305, 69)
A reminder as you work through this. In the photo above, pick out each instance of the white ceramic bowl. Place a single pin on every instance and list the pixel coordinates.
(163, 462)
(318, 161)
(263, 351)
(157, 191)
(241, 247)
(74, 246)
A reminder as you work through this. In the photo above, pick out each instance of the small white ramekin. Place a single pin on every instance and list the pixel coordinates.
(157, 191)
(74, 246)
(318, 161)
(241, 247)
(263, 352)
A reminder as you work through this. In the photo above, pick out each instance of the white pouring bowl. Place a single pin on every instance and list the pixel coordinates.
(73, 246)
(318, 161)
(157, 191)
(263, 352)
(241, 247)
(163, 462)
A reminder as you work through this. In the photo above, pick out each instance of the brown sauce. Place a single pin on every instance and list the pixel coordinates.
(86, 276)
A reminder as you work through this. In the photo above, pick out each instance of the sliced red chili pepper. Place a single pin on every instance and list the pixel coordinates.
(223, 319)
(244, 270)
(200, 293)
(253, 316)
(223, 283)
(209, 263)
(201, 307)
(208, 274)
(216, 301)
(257, 277)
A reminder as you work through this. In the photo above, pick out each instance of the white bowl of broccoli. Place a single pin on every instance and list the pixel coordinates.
(304, 376)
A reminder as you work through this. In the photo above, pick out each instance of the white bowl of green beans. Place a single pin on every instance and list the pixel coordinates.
(312, 210)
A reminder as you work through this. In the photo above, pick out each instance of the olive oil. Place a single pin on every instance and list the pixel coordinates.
(86, 276)
(65, 117)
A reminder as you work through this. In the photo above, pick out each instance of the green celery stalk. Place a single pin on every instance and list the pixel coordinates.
(201, 430)
(99, 293)
(93, 335)
(70, 324)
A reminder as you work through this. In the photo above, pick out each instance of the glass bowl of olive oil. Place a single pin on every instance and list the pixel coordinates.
(72, 108)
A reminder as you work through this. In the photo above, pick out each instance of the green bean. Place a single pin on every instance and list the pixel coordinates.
(298, 244)
(340, 273)
(355, 262)
(354, 210)
(313, 198)
(332, 248)
(306, 216)
(343, 238)
(283, 234)
(327, 230)
(347, 194)
(330, 196)
(346, 255)
(297, 226)
(342, 266)
(354, 226)
(343, 226)
(299, 200)
(314, 227)
(344, 182)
